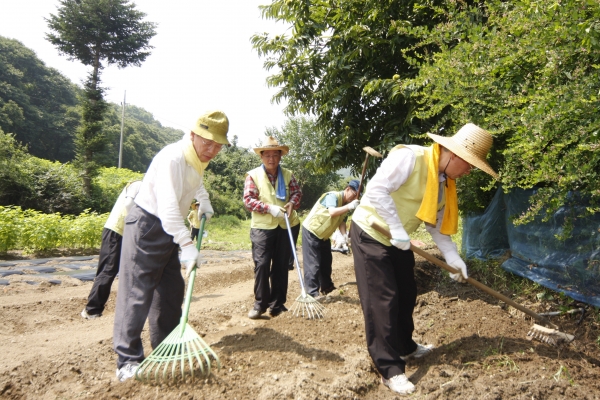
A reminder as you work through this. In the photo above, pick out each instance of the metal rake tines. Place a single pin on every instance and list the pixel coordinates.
(307, 306)
(178, 356)
(549, 335)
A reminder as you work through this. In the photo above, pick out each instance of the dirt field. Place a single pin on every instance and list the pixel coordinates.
(50, 352)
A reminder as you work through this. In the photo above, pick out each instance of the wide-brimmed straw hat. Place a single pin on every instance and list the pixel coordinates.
(213, 125)
(271, 143)
(472, 144)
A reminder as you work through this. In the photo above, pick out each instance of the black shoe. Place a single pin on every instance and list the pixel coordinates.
(328, 290)
(273, 312)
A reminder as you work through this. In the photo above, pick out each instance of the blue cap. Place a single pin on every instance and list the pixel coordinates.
(354, 183)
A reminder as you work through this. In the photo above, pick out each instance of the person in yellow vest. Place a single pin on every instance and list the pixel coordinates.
(414, 184)
(151, 285)
(328, 214)
(194, 221)
(110, 252)
(269, 192)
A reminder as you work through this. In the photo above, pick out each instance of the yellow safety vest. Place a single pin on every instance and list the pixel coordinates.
(407, 199)
(266, 194)
(319, 222)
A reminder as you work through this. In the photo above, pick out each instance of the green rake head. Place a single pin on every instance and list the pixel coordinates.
(182, 356)
(306, 306)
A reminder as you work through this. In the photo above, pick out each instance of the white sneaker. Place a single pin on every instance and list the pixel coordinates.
(84, 314)
(399, 384)
(127, 371)
(421, 351)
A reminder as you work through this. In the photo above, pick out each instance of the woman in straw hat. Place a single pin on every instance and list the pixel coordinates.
(414, 184)
(269, 192)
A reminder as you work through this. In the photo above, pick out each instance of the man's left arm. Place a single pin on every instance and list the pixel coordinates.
(448, 248)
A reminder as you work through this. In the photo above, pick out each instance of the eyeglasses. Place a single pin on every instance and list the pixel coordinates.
(211, 145)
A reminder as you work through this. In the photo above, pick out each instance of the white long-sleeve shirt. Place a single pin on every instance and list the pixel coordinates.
(168, 189)
(393, 173)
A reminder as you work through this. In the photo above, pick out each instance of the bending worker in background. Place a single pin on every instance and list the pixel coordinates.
(414, 184)
(269, 192)
(328, 214)
(150, 284)
(110, 252)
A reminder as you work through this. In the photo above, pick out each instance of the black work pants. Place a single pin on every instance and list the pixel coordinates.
(108, 268)
(388, 292)
(195, 232)
(317, 260)
(271, 253)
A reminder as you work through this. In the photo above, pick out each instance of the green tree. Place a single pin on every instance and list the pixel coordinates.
(37, 103)
(143, 137)
(328, 62)
(301, 134)
(224, 179)
(93, 31)
(528, 71)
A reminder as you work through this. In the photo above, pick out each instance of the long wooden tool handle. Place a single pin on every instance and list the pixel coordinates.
(362, 176)
(472, 281)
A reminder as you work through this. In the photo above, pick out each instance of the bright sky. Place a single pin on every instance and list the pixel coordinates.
(202, 60)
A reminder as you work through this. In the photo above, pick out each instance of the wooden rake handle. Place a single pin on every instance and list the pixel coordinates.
(472, 281)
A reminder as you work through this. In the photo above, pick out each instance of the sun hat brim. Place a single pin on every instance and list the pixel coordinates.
(206, 134)
(473, 159)
(284, 149)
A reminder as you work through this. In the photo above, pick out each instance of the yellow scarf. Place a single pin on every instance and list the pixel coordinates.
(191, 158)
(428, 209)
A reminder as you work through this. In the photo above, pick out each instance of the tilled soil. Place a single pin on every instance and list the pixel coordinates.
(482, 352)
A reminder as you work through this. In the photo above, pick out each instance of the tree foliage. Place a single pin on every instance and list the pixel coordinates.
(378, 73)
(328, 62)
(93, 31)
(224, 179)
(52, 187)
(301, 134)
(529, 72)
(37, 103)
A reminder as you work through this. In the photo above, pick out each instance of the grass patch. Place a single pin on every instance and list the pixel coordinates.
(227, 232)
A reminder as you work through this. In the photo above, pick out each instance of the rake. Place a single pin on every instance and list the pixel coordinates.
(183, 352)
(551, 335)
(305, 305)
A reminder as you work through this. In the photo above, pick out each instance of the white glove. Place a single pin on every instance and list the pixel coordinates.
(190, 257)
(400, 239)
(341, 241)
(276, 211)
(459, 265)
(353, 204)
(205, 208)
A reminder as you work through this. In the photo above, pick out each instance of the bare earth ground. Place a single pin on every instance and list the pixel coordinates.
(49, 352)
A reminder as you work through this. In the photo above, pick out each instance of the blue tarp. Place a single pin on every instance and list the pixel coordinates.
(570, 266)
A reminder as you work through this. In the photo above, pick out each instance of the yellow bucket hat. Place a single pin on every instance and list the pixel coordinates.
(213, 125)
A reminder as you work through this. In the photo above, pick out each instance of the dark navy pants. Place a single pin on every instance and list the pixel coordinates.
(151, 286)
(317, 260)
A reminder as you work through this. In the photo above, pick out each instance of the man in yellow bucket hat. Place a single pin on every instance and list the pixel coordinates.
(414, 184)
(150, 282)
